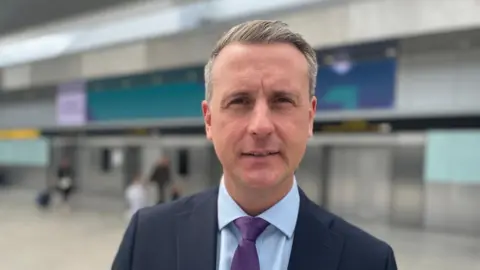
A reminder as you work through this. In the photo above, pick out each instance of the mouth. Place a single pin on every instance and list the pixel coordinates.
(260, 154)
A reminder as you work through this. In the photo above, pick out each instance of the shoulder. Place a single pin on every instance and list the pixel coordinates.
(151, 234)
(157, 225)
(358, 244)
(352, 232)
(164, 214)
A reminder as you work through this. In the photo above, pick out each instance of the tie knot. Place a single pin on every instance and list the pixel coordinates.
(251, 227)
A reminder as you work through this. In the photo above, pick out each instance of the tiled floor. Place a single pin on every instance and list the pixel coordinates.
(87, 239)
(55, 240)
(419, 250)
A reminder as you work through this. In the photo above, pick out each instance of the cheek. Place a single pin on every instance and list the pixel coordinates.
(294, 133)
(225, 133)
(295, 129)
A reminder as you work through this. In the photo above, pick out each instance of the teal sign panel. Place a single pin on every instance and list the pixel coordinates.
(453, 157)
(171, 94)
(35, 152)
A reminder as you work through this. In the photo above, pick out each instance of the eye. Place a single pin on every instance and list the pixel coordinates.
(283, 100)
(239, 101)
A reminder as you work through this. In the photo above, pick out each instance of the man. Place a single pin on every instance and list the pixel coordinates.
(161, 177)
(259, 112)
(65, 181)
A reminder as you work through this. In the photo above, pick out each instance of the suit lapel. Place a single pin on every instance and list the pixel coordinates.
(315, 246)
(197, 235)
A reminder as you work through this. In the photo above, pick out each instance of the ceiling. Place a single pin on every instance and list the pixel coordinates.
(17, 15)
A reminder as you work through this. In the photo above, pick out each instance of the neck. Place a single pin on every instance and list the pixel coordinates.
(255, 201)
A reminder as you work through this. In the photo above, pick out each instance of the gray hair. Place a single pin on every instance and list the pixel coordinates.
(258, 32)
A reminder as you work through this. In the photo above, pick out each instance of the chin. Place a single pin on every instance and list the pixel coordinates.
(262, 179)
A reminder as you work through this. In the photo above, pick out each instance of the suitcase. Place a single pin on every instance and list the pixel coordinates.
(44, 199)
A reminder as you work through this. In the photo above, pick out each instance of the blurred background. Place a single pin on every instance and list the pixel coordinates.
(100, 115)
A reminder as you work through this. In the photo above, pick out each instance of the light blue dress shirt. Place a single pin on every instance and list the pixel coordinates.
(274, 245)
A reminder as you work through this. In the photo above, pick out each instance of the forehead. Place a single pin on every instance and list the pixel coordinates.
(277, 63)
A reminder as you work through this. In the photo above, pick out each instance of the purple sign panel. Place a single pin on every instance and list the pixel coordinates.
(71, 104)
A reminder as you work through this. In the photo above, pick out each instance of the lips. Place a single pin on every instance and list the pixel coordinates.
(260, 153)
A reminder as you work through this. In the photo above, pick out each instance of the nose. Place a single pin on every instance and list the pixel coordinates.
(261, 124)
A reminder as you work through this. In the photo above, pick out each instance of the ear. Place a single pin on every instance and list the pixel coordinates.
(207, 118)
(311, 114)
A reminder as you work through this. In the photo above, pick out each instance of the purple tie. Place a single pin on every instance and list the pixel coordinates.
(246, 257)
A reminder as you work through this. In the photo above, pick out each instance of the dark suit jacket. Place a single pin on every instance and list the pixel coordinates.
(183, 236)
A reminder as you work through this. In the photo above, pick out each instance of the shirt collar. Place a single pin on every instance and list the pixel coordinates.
(283, 215)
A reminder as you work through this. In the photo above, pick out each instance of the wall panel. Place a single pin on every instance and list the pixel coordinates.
(114, 61)
(17, 77)
(444, 80)
(28, 113)
(53, 71)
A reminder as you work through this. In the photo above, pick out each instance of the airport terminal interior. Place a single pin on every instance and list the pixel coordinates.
(109, 91)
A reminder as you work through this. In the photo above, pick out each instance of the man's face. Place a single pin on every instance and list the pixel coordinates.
(260, 115)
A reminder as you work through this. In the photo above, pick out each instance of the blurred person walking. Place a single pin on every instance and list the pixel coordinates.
(161, 177)
(136, 196)
(175, 192)
(65, 182)
(3, 178)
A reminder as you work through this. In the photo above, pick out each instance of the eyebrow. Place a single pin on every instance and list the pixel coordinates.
(282, 93)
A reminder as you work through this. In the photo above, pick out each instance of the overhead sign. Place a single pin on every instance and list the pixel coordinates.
(71, 104)
(166, 94)
(19, 134)
(345, 85)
